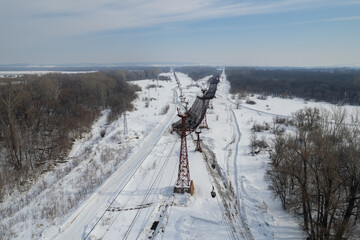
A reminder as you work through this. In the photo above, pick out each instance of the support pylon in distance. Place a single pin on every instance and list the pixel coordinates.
(125, 120)
(182, 97)
(211, 106)
(204, 121)
(198, 140)
(183, 183)
(125, 124)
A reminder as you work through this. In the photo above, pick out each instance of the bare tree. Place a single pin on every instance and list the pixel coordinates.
(11, 97)
(252, 143)
(317, 167)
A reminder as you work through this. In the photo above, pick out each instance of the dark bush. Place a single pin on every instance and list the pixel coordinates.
(251, 102)
(260, 127)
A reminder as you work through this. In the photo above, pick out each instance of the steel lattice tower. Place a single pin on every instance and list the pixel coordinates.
(204, 121)
(183, 181)
(124, 118)
(198, 140)
(125, 124)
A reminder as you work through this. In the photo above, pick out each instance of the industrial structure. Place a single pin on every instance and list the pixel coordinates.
(204, 121)
(183, 182)
(189, 121)
(199, 107)
(198, 140)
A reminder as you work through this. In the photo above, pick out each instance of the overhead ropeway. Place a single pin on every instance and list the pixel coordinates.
(198, 109)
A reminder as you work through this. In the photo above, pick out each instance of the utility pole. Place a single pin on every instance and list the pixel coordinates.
(124, 118)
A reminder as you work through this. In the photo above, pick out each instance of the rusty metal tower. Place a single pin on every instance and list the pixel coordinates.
(204, 121)
(198, 140)
(183, 183)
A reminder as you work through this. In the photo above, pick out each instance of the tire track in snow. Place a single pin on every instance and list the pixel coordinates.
(240, 207)
(233, 212)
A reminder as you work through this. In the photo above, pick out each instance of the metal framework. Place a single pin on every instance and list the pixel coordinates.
(198, 110)
(204, 121)
(183, 181)
(198, 140)
(124, 118)
(125, 124)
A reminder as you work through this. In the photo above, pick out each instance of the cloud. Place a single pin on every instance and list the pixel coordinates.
(323, 20)
(54, 18)
(340, 19)
(52, 27)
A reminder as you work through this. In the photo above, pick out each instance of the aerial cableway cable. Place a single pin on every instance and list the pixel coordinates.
(132, 194)
(170, 189)
(157, 178)
(120, 191)
(198, 109)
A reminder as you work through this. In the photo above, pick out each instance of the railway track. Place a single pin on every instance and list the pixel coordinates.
(130, 199)
(94, 209)
(143, 200)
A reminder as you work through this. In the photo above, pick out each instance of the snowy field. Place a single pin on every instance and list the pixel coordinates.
(127, 179)
(275, 106)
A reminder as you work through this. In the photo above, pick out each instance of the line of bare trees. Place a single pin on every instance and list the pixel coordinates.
(330, 85)
(40, 116)
(315, 171)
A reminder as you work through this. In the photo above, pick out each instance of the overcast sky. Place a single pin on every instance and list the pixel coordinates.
(242, 32)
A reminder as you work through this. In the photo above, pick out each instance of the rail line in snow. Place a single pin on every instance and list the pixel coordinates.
(83, 220)
(154, 182)
(139, 207)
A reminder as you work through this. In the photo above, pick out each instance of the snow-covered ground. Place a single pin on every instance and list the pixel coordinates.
(128, 179)
(228, 137)
(53, 198)
(282, 107)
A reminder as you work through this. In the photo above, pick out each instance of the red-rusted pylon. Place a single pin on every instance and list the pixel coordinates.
(183, 182)
(204, 121)
(198, 140)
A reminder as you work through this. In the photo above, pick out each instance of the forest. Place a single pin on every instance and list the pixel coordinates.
(338, 86)
(41, 116)
(85, 67)
(198, 72)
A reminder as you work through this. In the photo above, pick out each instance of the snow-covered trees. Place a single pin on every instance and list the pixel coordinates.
(315, 171)
(41, 115)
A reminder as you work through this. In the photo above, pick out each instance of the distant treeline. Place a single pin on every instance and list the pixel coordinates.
(198, 72)
(40, 116)
(83, 68)
(138, 73)
(334, 86)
